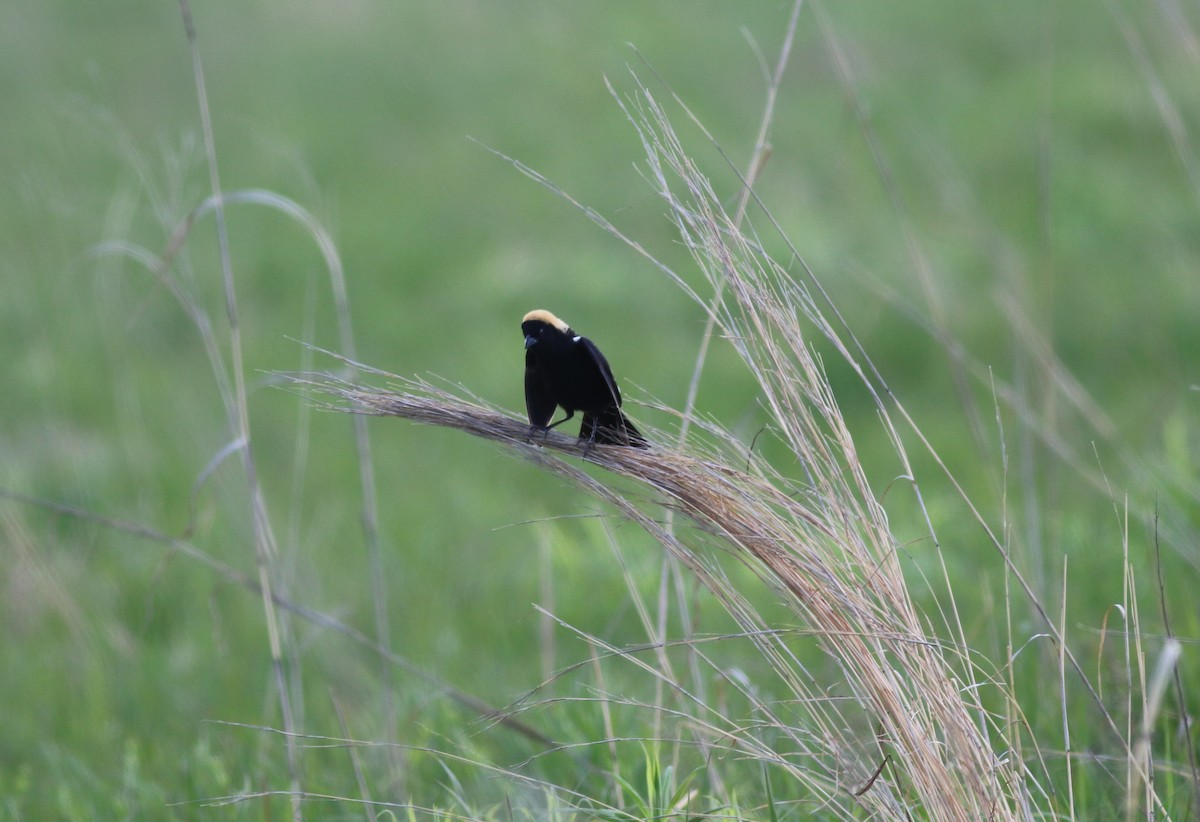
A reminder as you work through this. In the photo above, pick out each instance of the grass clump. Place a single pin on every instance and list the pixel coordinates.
(899, 719)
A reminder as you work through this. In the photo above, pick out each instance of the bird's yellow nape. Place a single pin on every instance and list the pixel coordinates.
(542, 315)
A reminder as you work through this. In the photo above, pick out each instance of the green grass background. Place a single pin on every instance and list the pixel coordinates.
(1041, 154)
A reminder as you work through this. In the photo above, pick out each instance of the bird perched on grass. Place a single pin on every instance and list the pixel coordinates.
(565, 369)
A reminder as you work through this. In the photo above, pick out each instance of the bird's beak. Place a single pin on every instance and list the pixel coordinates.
(530, 340)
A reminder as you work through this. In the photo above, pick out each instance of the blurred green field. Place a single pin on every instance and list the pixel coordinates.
(1006, 193)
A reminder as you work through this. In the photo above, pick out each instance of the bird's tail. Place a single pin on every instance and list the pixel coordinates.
(611, 427)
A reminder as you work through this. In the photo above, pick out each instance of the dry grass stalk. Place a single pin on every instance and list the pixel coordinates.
(823, 543)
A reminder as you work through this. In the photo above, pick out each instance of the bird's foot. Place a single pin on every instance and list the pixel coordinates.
(539, 432)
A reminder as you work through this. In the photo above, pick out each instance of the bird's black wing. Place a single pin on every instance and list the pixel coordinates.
(539, 401)
(589, 350)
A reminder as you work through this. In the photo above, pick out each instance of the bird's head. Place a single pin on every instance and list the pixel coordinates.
(538, 324)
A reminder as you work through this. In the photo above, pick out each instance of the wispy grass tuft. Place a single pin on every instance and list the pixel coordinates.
(895, 724)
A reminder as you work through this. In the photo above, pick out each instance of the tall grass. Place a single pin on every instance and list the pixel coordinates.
(896, 723)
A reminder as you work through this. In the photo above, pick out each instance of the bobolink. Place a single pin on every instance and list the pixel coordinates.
(565, 369)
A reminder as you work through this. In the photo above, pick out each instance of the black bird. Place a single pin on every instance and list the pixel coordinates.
(564, 368)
